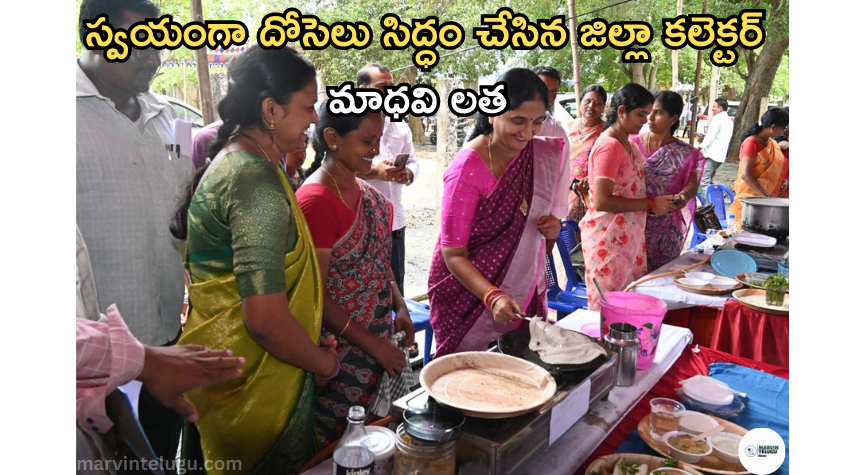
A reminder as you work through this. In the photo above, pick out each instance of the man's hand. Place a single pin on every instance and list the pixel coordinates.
(170, 371)
(404, 176)
(383, 170)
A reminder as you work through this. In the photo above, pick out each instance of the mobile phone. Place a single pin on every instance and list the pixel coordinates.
(678, 201)
(401, 160)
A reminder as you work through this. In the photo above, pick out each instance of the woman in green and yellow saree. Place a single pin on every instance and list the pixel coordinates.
(255, 285)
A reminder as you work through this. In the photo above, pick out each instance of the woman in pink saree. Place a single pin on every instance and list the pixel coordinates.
(613, 230)
(672, 168)
(505, 195)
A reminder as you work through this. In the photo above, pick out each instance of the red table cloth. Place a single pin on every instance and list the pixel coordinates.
(759, 336)
(691, 363)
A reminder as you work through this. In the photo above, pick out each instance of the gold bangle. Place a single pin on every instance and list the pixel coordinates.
(344, 328)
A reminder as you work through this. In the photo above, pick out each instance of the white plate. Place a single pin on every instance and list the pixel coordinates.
(696, 430)
(693, 282)
(753, 239)
(708, 390)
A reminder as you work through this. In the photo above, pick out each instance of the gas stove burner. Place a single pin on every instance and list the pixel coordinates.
(746, 248)
(495, 426)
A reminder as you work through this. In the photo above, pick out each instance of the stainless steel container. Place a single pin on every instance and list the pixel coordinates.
(769, 216)
(623, 340)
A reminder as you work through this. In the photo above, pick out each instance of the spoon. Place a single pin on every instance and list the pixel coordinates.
(600, 290)
(708, 433)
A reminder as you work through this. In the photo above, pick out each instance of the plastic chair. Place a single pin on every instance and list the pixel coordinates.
(560, 300)
(574, 295)
(567, 242)
(716, 195)
(697, 237)
(419, 313)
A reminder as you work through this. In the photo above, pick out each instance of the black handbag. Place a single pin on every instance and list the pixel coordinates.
(706, 219)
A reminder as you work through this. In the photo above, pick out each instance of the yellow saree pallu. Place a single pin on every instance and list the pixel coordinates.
(767, 170)
(264, 418)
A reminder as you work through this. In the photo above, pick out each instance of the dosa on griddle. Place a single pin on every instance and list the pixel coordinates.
(559, 347)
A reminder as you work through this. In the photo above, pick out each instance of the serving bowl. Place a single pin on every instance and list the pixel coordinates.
(693, 282)
(725, 456)
(684, 456)
(723, 283)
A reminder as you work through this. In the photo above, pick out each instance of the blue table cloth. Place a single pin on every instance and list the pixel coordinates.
(767, 405)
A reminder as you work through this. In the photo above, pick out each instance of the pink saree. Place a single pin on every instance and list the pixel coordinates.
(505, 246)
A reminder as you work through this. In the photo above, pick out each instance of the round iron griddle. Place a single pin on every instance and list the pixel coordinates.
(516, 343)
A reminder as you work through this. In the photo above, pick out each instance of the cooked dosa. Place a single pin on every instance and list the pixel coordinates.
(558, 346)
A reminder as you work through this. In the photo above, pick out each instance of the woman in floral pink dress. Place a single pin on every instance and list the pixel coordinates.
(613, 230)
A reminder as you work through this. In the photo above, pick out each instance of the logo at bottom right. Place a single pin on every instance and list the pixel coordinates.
(762, 451)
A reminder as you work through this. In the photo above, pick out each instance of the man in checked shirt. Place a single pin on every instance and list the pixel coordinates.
(108, 356)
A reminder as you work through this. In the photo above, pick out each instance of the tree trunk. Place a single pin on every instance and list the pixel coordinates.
(636, 72)
(203, 72)
(759, 83)
(653, 78)
(675, 86)
(415, 123)
(713, 92)
(575, 50)
(447, 145)
(695, 117)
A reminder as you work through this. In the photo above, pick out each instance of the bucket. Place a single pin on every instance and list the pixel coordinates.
(642, 311)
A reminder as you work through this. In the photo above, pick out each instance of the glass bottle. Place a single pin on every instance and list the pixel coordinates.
(353, 455)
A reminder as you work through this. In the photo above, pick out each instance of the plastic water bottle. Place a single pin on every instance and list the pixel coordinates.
(353, 455)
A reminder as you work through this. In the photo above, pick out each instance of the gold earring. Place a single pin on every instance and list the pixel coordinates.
(334, 147)
(272, 127)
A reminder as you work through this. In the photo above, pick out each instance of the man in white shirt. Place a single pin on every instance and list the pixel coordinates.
(716, 142)
(553, 79)
(396, 139)
(127, 189)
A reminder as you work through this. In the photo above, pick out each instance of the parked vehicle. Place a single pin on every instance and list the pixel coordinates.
(566, 108)
(703, 124)
(461, 132)
(186, 112)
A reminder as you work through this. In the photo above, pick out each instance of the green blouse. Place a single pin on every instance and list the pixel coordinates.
(240, 221)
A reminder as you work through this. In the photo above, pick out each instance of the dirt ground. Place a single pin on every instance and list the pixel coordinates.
(420, 204)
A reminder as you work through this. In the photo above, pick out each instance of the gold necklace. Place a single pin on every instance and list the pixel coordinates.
(524, 205)
(337, 187)
(653, 147)
(257, 145)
